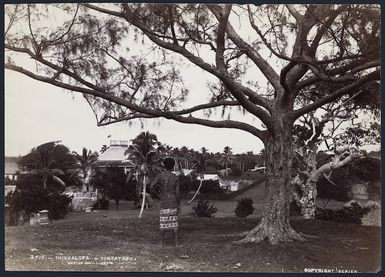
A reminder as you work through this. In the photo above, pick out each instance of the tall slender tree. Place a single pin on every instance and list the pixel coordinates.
(265, 59)
(227, 158)
(83, 165)
(144, 153)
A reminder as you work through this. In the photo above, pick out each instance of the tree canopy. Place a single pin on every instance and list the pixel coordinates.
(309, 45)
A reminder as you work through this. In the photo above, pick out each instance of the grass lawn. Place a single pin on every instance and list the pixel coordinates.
(119, 241)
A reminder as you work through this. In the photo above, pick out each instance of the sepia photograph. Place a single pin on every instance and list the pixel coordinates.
(192, 137)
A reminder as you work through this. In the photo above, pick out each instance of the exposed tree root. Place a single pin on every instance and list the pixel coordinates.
(261, 233)
(308, 236)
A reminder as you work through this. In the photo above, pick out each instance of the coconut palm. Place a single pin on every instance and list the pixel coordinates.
(83, 165)
(241, 160)
(144, 153)
(178, 157)
(204, 150)
(103, 149)
(187, 157)
(226, 158)
(199, 165)
(166, 150)
(48, 161)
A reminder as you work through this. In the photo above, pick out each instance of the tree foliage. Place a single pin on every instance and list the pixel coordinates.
(50, 161)
(111, 183)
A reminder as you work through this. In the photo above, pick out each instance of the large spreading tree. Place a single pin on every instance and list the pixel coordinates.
(262, 59)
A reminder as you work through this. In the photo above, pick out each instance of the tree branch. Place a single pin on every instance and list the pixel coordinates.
(292, 10)
(51, 65)
(68, 30)
(142, 110)
(219, 54)
(334, 164)
(254, 98)
(354, 67)
(335, 95)
(261, 63)
(11, 20)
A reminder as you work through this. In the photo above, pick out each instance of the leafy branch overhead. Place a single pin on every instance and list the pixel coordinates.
(294, 48)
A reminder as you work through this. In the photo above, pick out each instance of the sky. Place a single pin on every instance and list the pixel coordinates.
(37, 113)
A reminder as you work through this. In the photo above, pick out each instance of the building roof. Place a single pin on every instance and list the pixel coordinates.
(114, 155)
(10, 167)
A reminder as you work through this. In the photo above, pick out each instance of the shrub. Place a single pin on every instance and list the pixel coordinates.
(244, 207)
(352, 214)
(235, 171)
(25, 201)
(58, 205)
(204, 209)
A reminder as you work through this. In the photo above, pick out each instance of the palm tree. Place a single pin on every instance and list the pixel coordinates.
(200, 166)
(103, 149)
(178, 157)
(83, 165)
(144, 153)
(166, 150)
(243, 160)
(200, 160)
(204, 150)
(186, 157)
(45, 161)
(226, 158)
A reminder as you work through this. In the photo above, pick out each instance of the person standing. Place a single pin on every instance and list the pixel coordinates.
(169, 194)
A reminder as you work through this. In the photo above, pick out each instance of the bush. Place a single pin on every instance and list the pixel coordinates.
(352, 214)
(25, 201)
(244, 207)
(235, 171)
(203, 209)
(58, 205)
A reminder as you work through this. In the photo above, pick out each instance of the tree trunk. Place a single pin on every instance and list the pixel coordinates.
(84, 187)
(143, 196)
(309, 195)
(274, 225)
(45, 178)
(308, 201)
